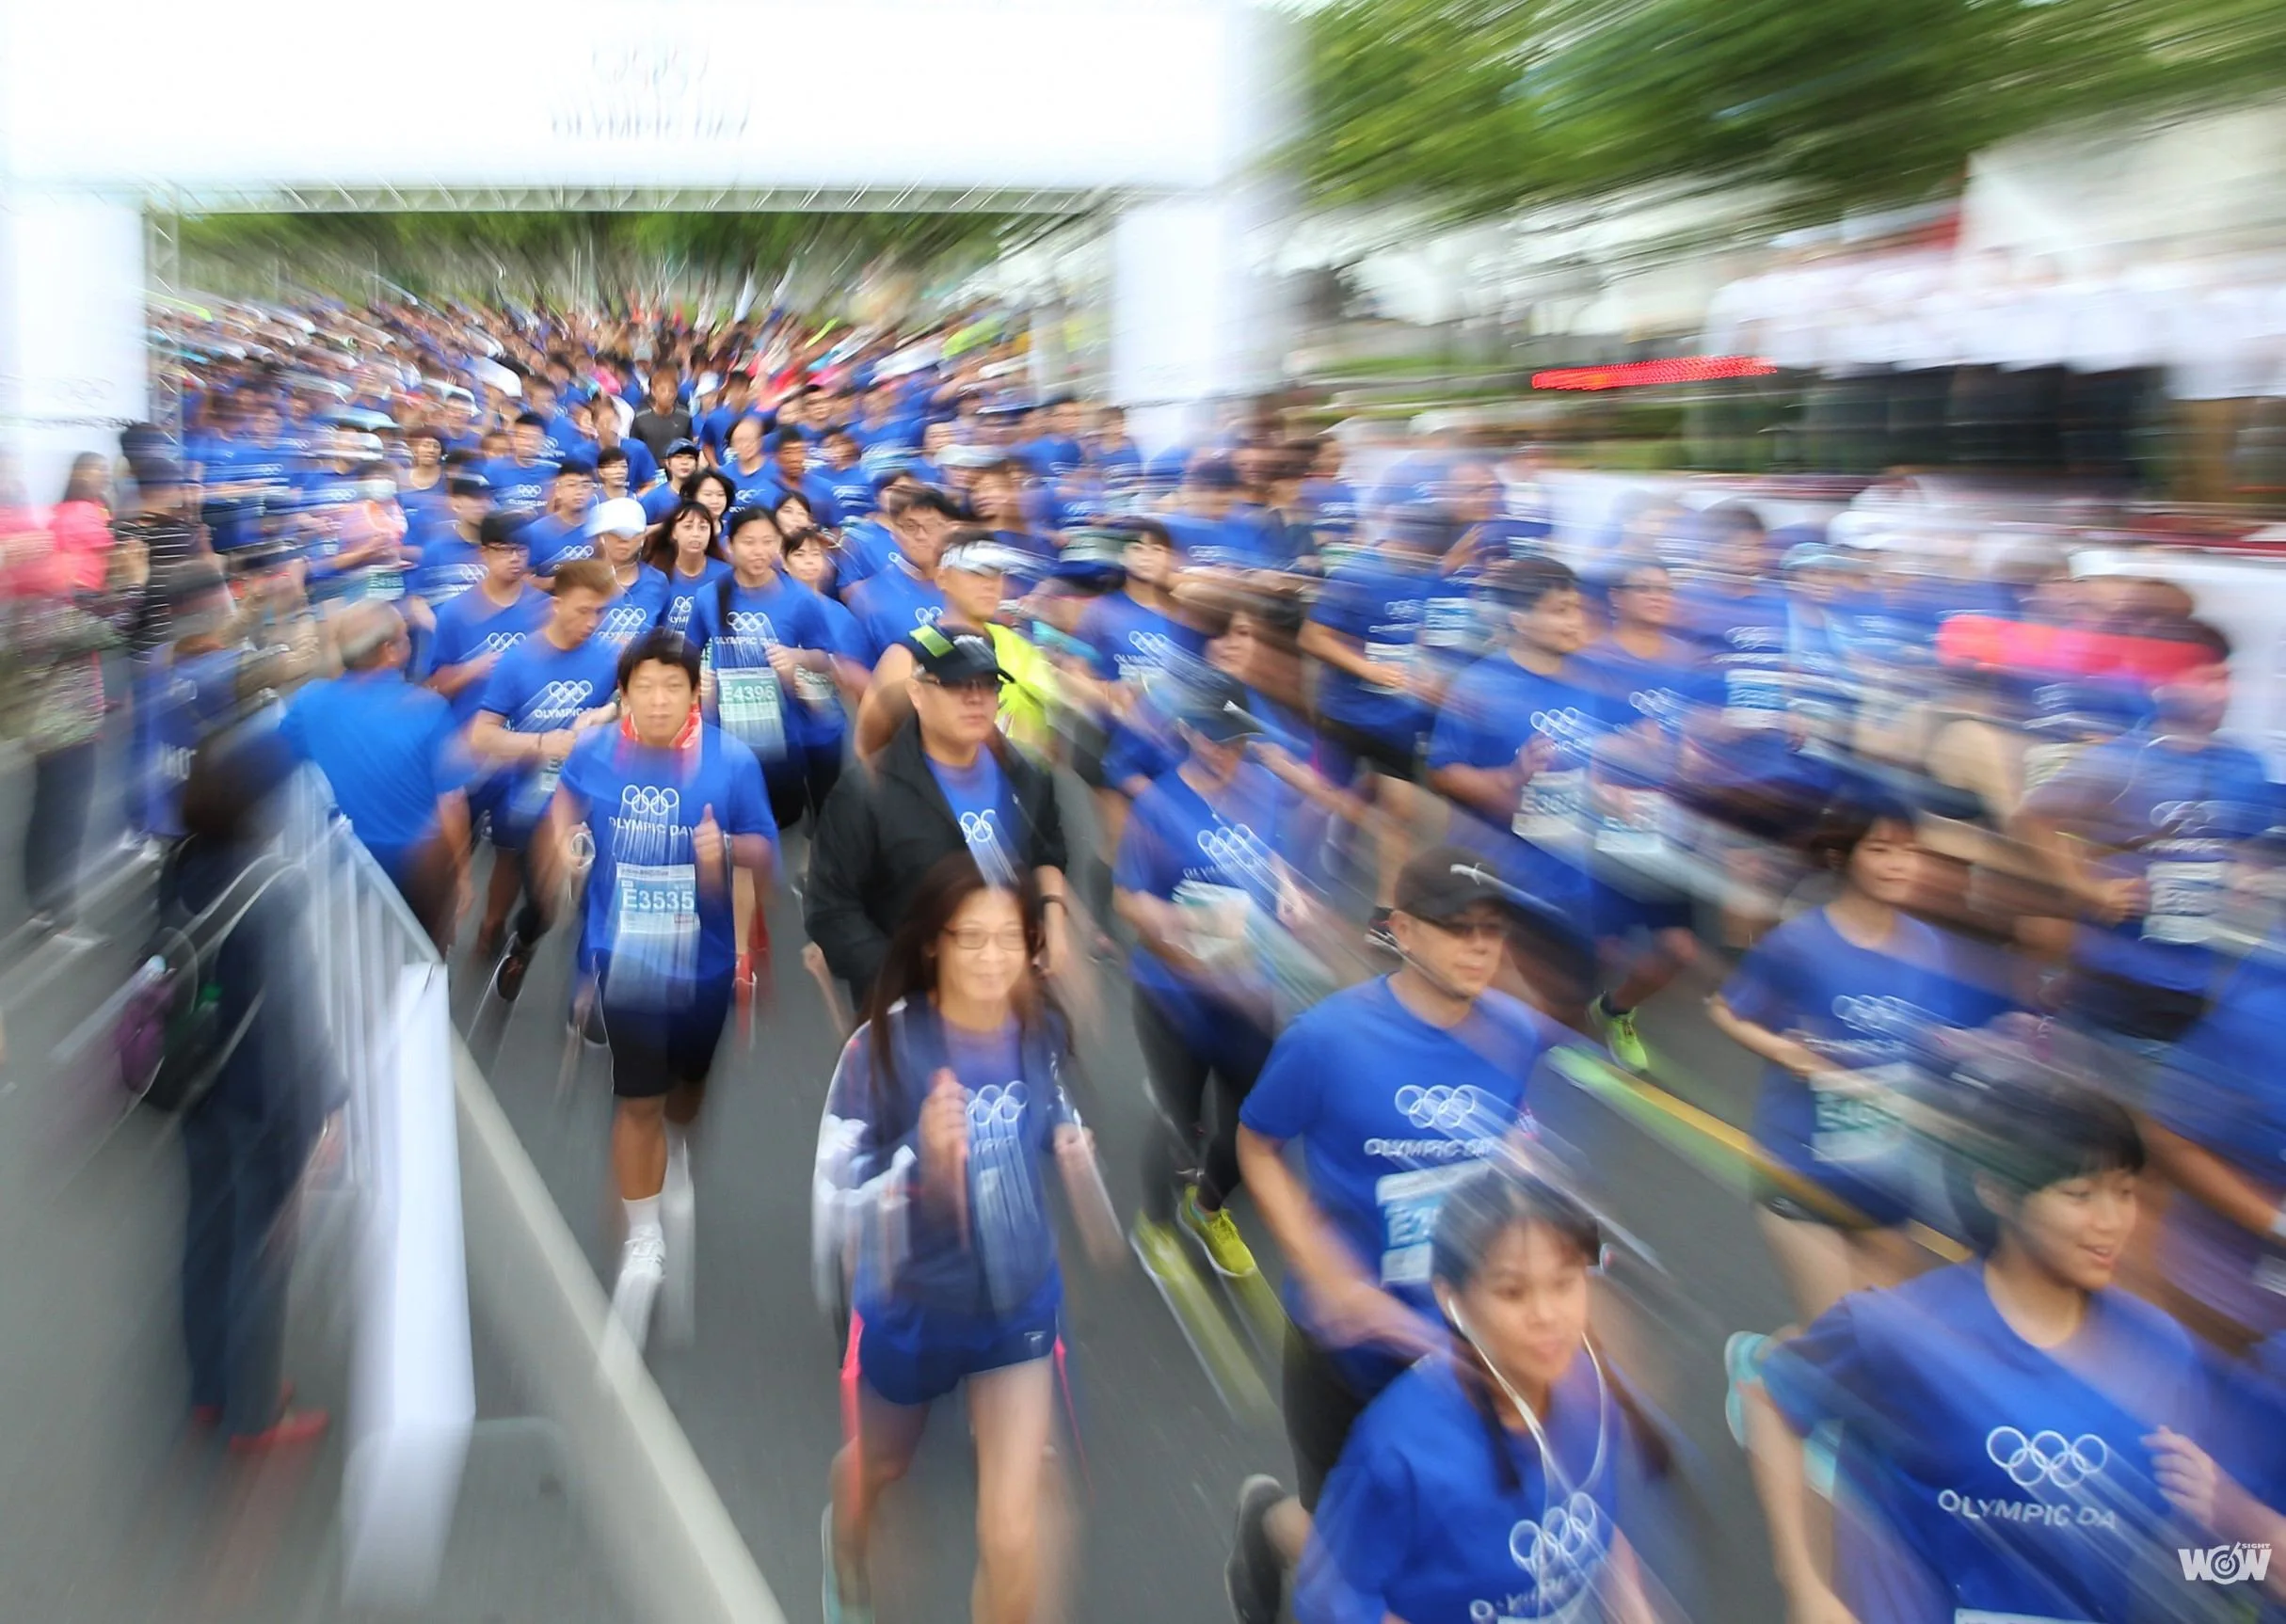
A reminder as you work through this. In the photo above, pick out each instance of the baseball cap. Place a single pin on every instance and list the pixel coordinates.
(468, 484)
(1445, 882)
(620, 516)
(577, 462)
(684, 447)
(983, 558)
(1213, 705)
(959, 656)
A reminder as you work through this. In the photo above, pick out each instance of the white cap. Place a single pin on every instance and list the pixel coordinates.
(620, 516)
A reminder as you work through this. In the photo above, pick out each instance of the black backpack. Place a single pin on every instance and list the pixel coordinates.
(170, 1039)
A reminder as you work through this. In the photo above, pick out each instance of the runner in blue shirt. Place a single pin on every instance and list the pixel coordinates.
(451, 553)
(1499, 1477)
(734, 407)
(847, 485)
(675, 808)
(904, 595)
(2142, 832)
(520, 481)
(1374, 703)
(1199, 879)
(559, 534)
(1834, 1002)
(941, 1123)
(745, 465)
(477, 627)
(423, 489)
(545, 693)
(1396, 1090)
(762, 635)
(391, 755)
(686, 549)
(2001, 1421)
(616, 530)
(663, 498)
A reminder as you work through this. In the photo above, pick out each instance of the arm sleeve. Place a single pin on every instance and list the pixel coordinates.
(1140, 865)
(1361, 1536)
(853, 1173)
(1822, 1374)
(833, 906)
(1342, 607)
(1459, 738)
(1760, 990)
(500, 691)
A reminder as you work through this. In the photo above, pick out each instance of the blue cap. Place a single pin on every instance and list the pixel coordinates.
(577, 462)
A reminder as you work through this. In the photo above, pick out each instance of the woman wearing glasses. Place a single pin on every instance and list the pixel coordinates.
(943, 1117)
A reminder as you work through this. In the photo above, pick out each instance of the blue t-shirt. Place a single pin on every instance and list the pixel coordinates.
(634, 612)
(642, 468)
(449, 565)
(660, 500)
(891, 604)
(520, 486)
(1392, 1112)
(1866, 1009)
(1375, 601)
(851, 491)
(471, 624)
(550, 541)
(782, 611)
(1417, 1524)
(179, 703)
(387, 748)
(651, 927)
(1176, 844)
(1490, 713)
(1742, 639)
(714, 428)
(539, 688)
(2180, 818)
(681, 599)
(863, 553)
(979, 796)
(1997, 1479)
(930, 1266)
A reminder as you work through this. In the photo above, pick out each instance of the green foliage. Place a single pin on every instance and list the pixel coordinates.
(1475, 106)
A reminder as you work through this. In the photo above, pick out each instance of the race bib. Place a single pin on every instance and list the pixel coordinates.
(2185, 896)
(752, 711)
(1552, 805)
(1632, 820)
(654, 950)
(815, 688)
(2044, 762)
(384, 586)
(1410, 1203)
(539, 789)
(1397, 654)
(1753, 697)
(1852, 1127)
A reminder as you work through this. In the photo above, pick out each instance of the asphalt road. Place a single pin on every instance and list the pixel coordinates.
(110, 1511)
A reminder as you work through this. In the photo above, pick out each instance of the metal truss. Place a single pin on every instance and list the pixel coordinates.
(328, 197)
(163, 276)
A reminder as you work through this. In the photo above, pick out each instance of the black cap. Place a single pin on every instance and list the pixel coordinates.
(1445, 882)
(1213, 705)
(468, 484)
(684, 447)
(954, 655)
(577, 462)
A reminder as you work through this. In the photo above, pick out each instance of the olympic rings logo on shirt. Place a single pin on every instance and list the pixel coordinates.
(1152, 645)
(1755, 638)
(1883, 1014)
(649, 801)
(997, 1105)
(1235, 849)
(559, 699)
(981, 828)
(2187, 817)
(752, 623)
(679, 614)
(1568, 726)
(500, 642)
(1562, 1541)
(2047, 1456)
(1438, 1108)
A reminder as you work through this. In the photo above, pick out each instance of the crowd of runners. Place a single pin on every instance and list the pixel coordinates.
(1395, 805)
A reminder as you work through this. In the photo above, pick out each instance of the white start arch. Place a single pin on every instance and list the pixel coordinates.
(1160, 110)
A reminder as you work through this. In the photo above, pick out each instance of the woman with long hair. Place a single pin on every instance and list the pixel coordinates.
(81, 526)
(943, 1115)
(1486, 1481)
(686, 547)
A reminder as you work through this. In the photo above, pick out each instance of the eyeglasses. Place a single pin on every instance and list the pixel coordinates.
(975, 939)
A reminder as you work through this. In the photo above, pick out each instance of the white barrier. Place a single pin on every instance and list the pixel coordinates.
(412, 1382)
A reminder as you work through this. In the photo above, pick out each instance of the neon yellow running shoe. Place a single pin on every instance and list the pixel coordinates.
(1216, 1234)
(1160, 1249)
(1621, 1038)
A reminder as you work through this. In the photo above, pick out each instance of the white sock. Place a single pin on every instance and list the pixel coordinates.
(678, 1153)
(643, 1216)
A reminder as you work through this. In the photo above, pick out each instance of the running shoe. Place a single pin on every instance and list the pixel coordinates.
(508, 980)
(291, 1429)
(837, 1610)
(1742, 1364)
(1619, 1036)
(1254, 1577)
(1160, 1249)
(642, 1270)
(1216, 1234)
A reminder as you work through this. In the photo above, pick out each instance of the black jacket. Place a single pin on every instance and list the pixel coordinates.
(885, 824)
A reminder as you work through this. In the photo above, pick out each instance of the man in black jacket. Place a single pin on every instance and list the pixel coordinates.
(945, 780)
